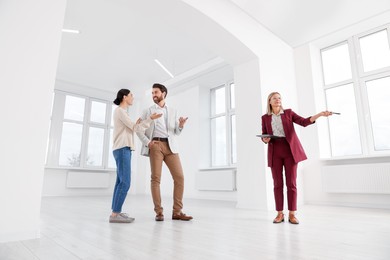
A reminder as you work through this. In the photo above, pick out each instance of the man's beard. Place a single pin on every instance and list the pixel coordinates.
(157, 99)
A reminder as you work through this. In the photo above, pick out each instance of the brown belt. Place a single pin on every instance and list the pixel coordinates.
(161, 139)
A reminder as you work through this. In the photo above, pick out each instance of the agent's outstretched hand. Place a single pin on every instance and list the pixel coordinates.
(326, 113)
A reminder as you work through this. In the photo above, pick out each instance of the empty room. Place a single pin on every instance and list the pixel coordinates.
(194, 129)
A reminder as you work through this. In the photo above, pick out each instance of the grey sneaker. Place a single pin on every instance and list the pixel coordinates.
(121, 218)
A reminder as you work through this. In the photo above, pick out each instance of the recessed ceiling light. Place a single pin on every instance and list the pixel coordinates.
(70, 31)
(163, 67)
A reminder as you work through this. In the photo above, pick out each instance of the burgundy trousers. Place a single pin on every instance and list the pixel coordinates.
(282, 157)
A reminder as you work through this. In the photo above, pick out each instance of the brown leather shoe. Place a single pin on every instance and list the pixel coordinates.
(181, 216)
(279, 218)
(292, 219)
(159, 217)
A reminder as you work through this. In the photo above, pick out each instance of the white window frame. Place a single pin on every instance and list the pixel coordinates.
(359, 79)
(57, 119)
(229, 112)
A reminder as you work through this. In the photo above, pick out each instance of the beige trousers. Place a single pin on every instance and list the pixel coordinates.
(159, 153)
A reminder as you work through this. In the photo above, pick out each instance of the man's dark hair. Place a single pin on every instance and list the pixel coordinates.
(161, 87)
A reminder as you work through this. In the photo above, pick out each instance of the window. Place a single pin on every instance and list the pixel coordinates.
(375, 50)
(70, 148)
(344, 134)
(72, 131)
(80, 132)
(336, 64)
(111, 159)
(356, 76)
(96, 132)
(223, 126)
(378, 94)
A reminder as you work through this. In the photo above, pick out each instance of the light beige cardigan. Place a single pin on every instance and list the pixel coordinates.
(124, 129)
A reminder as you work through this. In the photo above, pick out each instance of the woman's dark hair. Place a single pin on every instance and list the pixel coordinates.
(161, 87)
(119, 97)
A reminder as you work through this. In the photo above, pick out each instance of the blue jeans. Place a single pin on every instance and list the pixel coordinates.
(123, 177)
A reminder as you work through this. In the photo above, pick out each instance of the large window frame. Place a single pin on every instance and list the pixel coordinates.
(56, 128)
(359, 80)
(228, 117)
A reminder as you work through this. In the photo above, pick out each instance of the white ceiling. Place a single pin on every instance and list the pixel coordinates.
(300, 21)
(120, 39)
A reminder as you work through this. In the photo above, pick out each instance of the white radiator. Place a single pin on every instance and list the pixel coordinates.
(357, 178)
(85, 179)
(216, 180)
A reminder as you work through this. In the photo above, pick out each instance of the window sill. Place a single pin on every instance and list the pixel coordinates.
(218, 168)
(80, 169)
(356, 159)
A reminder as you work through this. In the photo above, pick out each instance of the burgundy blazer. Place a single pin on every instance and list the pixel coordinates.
(288, 118)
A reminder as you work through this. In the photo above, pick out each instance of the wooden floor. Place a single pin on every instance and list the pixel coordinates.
(78, 228)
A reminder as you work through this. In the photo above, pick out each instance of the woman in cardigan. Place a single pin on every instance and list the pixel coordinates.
(123, 145)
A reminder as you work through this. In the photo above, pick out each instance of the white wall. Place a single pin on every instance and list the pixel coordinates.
(30, 33)
(55, 184)
(253, 180)
(309, 90)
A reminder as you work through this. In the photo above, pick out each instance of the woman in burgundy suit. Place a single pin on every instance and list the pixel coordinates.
(284, 151)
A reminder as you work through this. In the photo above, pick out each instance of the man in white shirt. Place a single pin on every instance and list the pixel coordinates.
(159, 144)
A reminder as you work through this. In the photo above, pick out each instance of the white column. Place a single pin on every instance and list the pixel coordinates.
(30, 35)
(254, 182)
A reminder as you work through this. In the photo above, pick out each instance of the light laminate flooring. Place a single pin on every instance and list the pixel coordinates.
(78, 228)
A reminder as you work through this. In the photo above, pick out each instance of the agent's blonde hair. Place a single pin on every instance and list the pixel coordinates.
(269, 107)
